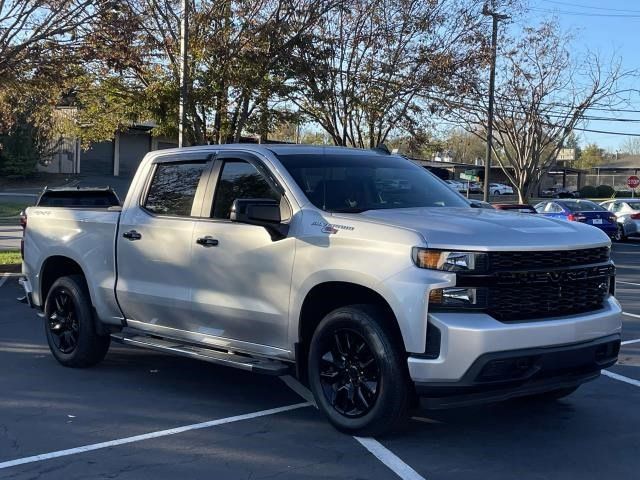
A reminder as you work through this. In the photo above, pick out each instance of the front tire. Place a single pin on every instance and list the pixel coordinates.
(358, 372)
(69, 324)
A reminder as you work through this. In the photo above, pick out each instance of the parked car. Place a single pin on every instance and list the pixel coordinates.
(515, 207)
(559, 192)
(292, 258)
(474, 187)
(627, 212)
(584, 211)
(500, 189)
(457, 186)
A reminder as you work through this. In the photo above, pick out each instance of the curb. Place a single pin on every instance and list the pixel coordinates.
(15, 268)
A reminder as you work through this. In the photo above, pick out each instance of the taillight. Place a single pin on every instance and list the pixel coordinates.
(571, 217)
(635, 216)
(576, 218)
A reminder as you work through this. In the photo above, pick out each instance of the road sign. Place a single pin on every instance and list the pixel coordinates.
(633, 182)
(471, 178)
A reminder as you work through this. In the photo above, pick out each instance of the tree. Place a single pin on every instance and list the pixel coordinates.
(465, 147)
(542, 94)
(41, 41)
(632, 146)
(363, 72)
(591, 156)
(239, 52)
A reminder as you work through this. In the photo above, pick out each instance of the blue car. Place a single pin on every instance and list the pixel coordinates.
(584, 211)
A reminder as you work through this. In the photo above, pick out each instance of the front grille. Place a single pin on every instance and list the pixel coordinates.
(523, 286)
(552, 299)
(501, 261)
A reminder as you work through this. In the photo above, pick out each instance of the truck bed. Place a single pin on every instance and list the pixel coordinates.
(84, 235)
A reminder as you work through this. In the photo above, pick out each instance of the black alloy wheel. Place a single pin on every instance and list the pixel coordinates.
(349, 374)
(63, 322)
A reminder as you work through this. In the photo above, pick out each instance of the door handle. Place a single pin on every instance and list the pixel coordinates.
(207, 241)
(132, 235)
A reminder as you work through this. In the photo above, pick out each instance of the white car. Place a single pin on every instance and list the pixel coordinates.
(500, 189)
(627, 211)
(456, 185)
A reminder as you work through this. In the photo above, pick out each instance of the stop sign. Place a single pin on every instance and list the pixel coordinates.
(633, 181)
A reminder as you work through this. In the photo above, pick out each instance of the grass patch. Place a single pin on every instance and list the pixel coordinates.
(12, 209)
(10, 258)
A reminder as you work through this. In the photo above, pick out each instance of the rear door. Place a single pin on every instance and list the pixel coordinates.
(242, 276)
(154, 244)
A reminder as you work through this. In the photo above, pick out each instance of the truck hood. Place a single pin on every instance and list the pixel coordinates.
(484, 229)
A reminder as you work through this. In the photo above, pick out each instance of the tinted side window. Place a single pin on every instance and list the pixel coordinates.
(173, 188)
(239, 179)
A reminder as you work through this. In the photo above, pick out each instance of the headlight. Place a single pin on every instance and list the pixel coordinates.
(469, 262)
(458, 297)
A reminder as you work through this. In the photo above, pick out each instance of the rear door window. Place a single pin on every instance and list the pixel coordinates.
(173, 188)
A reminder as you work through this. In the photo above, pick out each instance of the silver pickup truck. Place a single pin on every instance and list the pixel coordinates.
(358, 270)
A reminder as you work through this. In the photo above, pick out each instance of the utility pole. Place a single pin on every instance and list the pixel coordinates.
(496, 17)
(184, 72)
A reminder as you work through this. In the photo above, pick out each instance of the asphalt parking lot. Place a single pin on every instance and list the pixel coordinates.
(142, 415)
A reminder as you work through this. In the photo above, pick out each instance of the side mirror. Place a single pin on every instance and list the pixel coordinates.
(263, 212)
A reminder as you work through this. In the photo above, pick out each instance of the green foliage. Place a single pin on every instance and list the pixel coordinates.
(605, 191)
(20, 154)
(591, 156)
(588, 191)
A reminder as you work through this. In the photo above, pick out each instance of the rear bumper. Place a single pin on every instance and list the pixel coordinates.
(503, 375)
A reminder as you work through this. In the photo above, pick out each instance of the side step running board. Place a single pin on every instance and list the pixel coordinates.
(251, 364)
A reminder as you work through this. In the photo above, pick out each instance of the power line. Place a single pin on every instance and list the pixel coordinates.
(584, 14)
(607, 9)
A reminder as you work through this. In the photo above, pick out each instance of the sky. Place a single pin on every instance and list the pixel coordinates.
(610, 28)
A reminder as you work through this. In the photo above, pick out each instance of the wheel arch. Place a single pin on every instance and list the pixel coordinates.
(325, 297)
(55, 267)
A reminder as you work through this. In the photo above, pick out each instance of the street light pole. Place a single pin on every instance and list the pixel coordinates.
(496, 17)
(184, 72)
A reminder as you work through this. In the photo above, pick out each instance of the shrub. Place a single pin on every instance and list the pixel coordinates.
(588, 191)
(605, 191)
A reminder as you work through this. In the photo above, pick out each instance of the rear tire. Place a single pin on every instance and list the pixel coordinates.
(619, 236)
(358, 372)
(69, 324)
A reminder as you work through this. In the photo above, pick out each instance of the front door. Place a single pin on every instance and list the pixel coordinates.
(242, 276)
(155, 245)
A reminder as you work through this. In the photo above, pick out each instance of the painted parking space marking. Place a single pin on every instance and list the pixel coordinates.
(629, 342)
(148, 436)
(621, 378)
(631, 314)
(382, 453)
(390, 459)
(628, 283)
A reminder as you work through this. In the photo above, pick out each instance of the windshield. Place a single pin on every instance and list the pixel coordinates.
(353, 182)
(584, 206)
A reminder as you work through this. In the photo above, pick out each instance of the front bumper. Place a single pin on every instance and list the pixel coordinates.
(465, 338)
(503, 375)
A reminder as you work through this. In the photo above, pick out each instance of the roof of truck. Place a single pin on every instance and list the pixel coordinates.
(279, 149)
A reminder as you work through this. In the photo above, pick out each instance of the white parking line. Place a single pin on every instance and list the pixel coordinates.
(621, 378)
(390, 459)
(147, 436)
(631, 315)
(629, 342)
(628, 283)
(382, 453)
